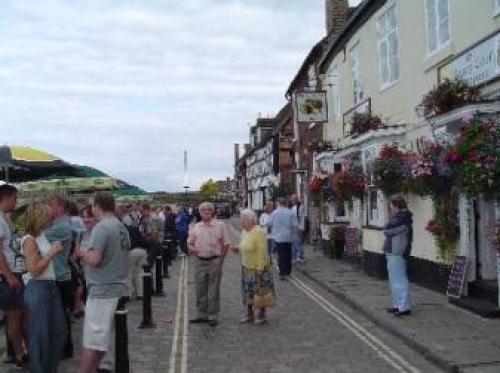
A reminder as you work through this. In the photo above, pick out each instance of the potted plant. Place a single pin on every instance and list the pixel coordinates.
(389, 170)
(448, 95)
(364, 122)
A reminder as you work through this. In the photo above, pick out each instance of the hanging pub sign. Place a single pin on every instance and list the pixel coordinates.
(311, 107)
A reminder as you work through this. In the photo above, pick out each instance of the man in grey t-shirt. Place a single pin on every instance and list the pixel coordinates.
(106, 269)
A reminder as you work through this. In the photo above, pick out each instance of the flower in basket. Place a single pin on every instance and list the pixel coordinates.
(389, 170)
(364, 122)
(429, 171)
(349, 183)
(448, 95)
(315, 184)
(477, 155)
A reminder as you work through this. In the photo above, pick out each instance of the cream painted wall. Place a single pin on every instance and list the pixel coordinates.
(373, 240)
(471, 20)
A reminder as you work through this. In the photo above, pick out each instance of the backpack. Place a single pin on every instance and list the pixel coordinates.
(136, 237)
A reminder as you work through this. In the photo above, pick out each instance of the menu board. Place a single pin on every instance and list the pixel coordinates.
(457, 277)
(351, 241)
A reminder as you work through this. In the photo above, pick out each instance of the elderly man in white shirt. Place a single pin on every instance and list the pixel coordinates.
(298, 243)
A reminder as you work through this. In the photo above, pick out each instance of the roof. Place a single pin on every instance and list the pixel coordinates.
(314, 54)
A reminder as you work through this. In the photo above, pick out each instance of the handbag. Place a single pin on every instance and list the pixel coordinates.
(264, 298)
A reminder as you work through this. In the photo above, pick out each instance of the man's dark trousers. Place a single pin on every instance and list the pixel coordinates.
(67, 291)
(284, 250)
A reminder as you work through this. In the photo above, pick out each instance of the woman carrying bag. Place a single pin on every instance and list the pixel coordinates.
(256, 281)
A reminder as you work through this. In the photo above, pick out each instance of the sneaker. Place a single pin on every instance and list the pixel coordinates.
(198, 320)
(402, 313)
(392, 310)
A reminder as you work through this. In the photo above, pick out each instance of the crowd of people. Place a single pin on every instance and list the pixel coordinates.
(65, 261)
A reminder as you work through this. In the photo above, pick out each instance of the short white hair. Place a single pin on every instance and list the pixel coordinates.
(207, 205)
(249, 214)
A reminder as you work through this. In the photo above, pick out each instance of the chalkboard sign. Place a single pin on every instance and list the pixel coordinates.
(351, 241)
(457, 277)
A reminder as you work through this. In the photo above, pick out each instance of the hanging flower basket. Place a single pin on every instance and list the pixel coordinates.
(389, 170)
(476, 157)
(448, 95)
(349, 183)
(429, 171)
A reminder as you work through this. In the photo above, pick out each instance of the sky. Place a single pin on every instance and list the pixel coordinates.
(127, 85)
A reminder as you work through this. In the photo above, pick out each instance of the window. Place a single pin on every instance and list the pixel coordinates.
(438, 24)
(376, 206)
(369, 154)
(357, 85)
(334, 83)
(388, 48)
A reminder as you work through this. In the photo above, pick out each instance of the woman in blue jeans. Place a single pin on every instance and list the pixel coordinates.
(46, 325)
(397, 246)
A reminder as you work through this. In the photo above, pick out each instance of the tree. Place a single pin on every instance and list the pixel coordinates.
(209, 189)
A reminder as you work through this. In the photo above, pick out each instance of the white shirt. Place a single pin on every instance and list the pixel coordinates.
(265, 223)
(300, 217)
(6, 236)
(44, 248)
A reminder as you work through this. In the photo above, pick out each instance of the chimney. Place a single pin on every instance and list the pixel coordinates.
(236, 153)
(247, 148)
(336, 13)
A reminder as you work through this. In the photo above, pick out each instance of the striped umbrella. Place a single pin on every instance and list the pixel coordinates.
(22, 163)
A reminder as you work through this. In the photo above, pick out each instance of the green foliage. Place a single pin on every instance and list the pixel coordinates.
(209, 189)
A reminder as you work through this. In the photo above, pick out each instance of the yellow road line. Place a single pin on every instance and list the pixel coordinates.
(384, 351)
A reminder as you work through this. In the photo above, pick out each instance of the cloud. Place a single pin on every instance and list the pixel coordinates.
(126, 86)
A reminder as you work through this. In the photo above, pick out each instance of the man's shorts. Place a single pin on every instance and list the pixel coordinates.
(11, 300)
(99, 325)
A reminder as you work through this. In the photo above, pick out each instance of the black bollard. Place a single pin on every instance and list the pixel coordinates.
(121, 337)
(147, 312)
(159, 276)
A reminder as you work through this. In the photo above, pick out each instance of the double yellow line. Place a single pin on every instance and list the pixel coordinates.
(383, 351)
(179, 352)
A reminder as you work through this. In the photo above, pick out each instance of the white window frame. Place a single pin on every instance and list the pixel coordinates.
(376, 217)
(334, 83)
(496, 7)
(384, 37)
(368, 155)
(439, 44)
(357, 80)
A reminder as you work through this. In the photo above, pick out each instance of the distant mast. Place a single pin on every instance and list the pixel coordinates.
(185, 183)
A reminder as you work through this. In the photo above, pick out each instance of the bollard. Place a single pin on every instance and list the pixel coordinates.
(121, 337)
(147, 312)
(159, 277)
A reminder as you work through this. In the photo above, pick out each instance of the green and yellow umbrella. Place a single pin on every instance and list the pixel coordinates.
(23, 163)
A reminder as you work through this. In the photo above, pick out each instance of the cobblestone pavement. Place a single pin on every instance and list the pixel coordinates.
(309, 331)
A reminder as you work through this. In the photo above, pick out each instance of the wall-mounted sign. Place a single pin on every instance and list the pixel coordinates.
(311, 107)
(477, 65)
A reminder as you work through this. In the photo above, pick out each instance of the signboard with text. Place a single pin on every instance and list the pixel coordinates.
(311, 107)
(457, 277)
(477, 65)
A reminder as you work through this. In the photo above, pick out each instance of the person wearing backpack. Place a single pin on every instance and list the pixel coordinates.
(137, 256)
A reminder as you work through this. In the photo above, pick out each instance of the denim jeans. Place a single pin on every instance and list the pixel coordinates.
(298, 250)
(46, 326)
(398, 281)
